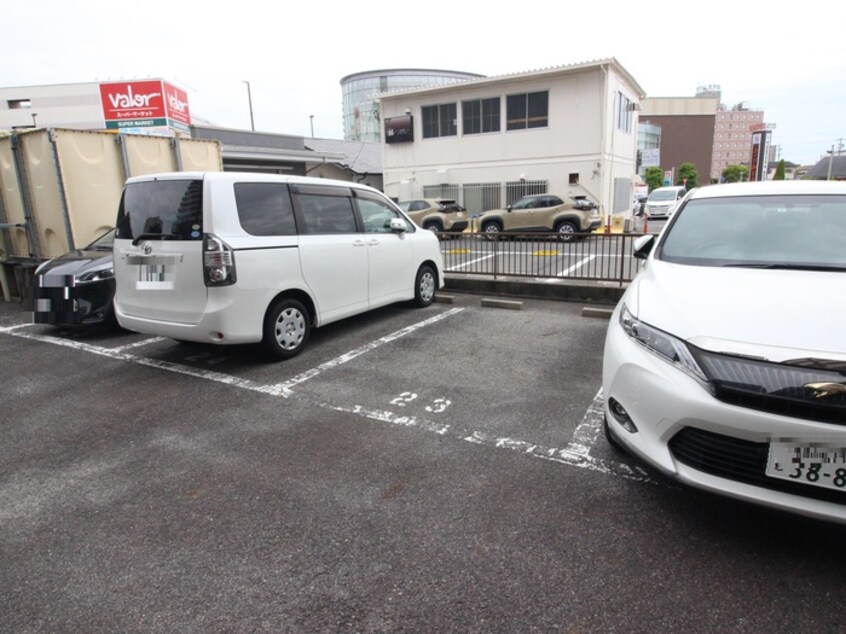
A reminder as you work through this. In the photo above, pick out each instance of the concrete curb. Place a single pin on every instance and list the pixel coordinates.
(590, 293)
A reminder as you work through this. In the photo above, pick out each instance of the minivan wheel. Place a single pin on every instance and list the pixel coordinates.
(286, 329)
(425, 286)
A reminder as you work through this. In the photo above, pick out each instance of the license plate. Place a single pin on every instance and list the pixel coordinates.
(816, 465)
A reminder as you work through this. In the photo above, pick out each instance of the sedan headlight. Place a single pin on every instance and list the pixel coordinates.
(102, 272)
(658, 342)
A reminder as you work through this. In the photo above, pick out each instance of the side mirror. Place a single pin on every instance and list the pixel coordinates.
(398, 225)
(643, 246)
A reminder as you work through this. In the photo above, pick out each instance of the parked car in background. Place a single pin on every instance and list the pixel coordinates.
(725, 360)
(567, 214)
(436, 214)
(663, 201)
(77, 288)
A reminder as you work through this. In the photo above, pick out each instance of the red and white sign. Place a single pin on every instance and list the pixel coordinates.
(144, 101)
(176, 104)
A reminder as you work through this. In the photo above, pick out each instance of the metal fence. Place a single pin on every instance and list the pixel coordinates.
(596, 257)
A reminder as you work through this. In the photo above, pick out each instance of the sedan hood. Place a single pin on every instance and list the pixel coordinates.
(775, 314)
(74, 262)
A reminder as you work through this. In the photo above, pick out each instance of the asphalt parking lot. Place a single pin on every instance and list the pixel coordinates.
(413, 470)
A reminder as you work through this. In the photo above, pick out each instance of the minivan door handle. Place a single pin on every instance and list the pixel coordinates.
(358, 243)
(373, 242)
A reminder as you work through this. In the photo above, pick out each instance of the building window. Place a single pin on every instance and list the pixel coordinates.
(574, 179)
(528, 110)
(19, 104)
(480, 115)
(439, 120)
(624, 113)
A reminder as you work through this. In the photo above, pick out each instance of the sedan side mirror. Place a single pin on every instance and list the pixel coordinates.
(643, 246)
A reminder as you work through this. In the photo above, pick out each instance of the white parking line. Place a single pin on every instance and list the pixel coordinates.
(463, 264)
(138, 344)
(575, 454)
(280, 389)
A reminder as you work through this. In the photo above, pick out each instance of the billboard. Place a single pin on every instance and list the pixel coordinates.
(144, 104)
(760, 155)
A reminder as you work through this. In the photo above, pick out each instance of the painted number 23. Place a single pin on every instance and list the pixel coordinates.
(438, 405)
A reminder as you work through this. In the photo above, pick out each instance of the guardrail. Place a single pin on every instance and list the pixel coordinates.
(596, 256)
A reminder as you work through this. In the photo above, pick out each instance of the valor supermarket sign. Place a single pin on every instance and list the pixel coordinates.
(144, 104)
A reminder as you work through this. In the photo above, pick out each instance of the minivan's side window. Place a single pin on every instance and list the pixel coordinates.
(264, 209)
(326, 214)
(377, 215)
(161, 209)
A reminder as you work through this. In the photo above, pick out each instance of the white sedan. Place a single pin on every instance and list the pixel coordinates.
(725, 360)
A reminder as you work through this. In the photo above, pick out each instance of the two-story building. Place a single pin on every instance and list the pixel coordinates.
(488, 141)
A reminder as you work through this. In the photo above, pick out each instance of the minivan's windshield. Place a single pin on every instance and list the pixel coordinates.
(788, 231)
(161, 209)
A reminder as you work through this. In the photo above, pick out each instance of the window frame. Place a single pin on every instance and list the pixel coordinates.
(522, 114)
(441, 124)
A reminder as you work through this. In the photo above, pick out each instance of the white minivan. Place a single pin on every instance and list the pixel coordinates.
(233, 258)
(662, 202)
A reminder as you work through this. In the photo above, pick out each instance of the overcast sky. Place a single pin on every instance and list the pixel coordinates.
(789, 63)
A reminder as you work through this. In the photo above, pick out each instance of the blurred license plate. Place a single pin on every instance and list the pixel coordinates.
(820, 466)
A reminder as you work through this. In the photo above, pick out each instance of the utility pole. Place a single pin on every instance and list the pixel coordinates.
(250, 100)
(831, 155)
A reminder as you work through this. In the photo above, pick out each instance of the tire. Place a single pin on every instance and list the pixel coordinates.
(287, 326)
(566, 230)
(434, 227)
(425, 285)
(491, 229)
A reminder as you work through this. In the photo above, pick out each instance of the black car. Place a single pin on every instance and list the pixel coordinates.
(77, 288)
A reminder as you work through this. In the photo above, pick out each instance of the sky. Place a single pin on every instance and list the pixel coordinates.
(789, 63)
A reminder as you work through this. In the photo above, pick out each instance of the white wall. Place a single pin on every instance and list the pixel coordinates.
(580, 137)
(64, 105)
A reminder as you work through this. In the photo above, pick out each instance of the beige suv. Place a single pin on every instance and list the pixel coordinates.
(567, 215)
(436, 214)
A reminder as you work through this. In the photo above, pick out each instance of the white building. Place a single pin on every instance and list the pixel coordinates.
(490, 141)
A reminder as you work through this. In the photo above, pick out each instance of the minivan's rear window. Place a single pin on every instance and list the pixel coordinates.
(161, 209)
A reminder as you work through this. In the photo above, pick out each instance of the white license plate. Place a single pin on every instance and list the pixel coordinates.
(816, 465)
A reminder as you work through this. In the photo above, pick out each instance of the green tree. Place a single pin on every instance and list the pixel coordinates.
(687, 175)
(779, 173)
(654, 177)
(735, 173)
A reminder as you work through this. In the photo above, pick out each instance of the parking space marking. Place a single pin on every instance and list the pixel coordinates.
(138, 344)
(284, 389)
(153, 363)
(575, 454)
(288, 385)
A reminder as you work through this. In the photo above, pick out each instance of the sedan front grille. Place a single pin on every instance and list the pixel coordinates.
(738, 460)
(799, 391)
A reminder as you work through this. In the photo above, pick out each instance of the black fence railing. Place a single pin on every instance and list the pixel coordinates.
(597, 256)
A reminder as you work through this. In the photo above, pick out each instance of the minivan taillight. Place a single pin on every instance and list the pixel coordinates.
(218, 262)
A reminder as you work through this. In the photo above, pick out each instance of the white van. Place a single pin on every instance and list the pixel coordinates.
(662, 202)
(233, 258)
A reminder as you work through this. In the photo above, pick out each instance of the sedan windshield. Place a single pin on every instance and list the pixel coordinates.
(803, 232)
